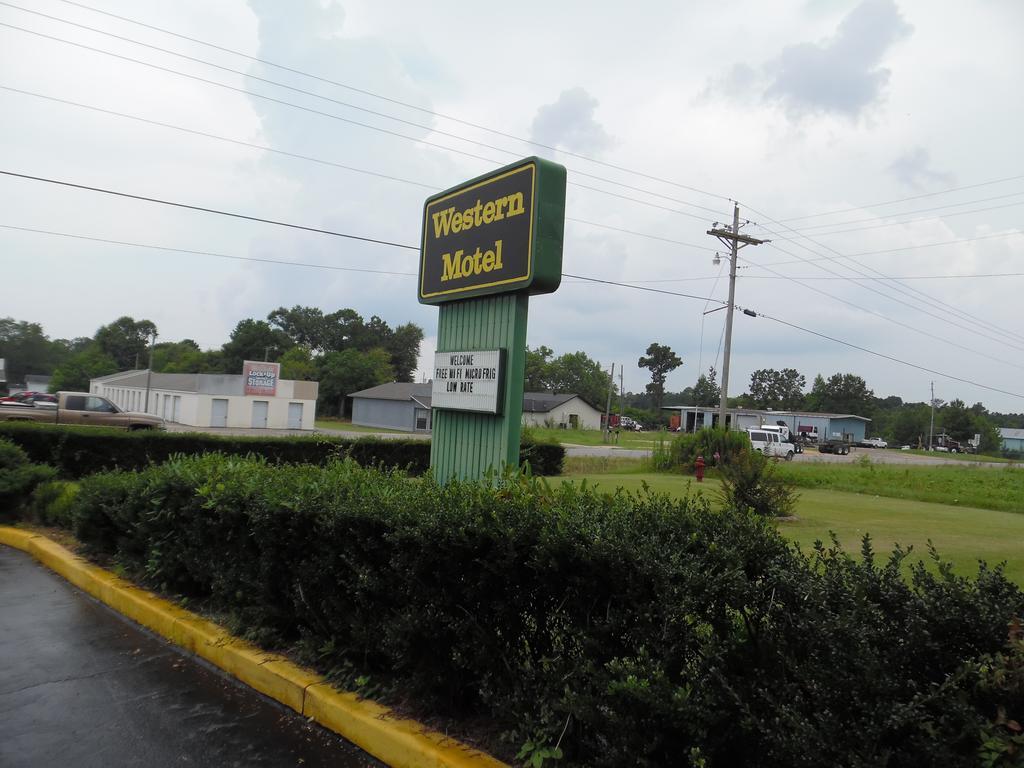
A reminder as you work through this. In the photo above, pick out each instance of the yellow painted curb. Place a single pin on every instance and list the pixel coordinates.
(395, 741)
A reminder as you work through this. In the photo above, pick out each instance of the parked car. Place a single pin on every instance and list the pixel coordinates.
(874, 442)
(18, 398)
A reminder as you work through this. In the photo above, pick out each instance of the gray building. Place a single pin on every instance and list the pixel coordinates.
(407, 407)
(844, 426)
(1013, 439)
(396, 405)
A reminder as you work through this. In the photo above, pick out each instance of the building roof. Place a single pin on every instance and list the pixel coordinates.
(763, 412)
(544, 402)
(533, 402)
(396, 390)
(1011, 434)
(206, 383)
(179, 382)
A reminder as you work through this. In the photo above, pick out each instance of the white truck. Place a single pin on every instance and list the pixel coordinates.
(771, 441)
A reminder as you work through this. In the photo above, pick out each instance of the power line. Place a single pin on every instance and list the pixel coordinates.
(357, 237)
(891, 358)
(578, 277)
(321, 161)
(260, 260)
(844, 278)
(901, 290)
(283, 262)
(904, 290)
(898, 200)
(959, 241)
(900, 323)
(801, 233)
(332, 116)
(186, 206)
(398, 102)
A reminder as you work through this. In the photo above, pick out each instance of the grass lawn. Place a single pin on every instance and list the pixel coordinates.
(969, 457)
(639, 440)
(961, 534)
(346, 425)
(997, 488)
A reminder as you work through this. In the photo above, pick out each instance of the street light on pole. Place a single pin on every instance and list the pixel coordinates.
(734, 241)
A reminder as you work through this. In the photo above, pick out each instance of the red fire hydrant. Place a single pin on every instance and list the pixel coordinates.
(699, 464)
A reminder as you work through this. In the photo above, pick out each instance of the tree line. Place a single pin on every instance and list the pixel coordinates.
(347, 353)
(897, 421)
(341, 350)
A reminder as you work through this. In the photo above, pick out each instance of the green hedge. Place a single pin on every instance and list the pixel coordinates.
(18, 478)
(635, 630)
(81, 451)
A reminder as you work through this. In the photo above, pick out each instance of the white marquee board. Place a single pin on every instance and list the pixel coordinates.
(468, 380)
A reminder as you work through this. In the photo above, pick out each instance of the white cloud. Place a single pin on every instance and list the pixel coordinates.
(569, 123)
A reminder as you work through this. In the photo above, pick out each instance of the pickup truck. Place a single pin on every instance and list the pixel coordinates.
(80, 408)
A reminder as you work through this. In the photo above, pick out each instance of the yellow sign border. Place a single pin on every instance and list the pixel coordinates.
(532, 167)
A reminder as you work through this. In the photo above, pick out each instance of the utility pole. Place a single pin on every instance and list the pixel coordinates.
(733, 239)
(149, 371)
(931, 425)
(608, 406)
(621, 390)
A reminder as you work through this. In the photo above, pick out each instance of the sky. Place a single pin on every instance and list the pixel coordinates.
(867, 140)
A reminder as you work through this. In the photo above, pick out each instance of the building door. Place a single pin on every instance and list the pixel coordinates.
(177, 408)
(259, 414)
(220, 413)
(574, 421)
(294, 415)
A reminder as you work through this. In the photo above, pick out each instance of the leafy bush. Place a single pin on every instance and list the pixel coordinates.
(683, 451)
(52, 501)
(81, 451)
(628, 630)
(18, 477)
(750, 483)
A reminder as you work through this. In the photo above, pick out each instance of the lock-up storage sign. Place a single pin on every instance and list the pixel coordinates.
(493, 234)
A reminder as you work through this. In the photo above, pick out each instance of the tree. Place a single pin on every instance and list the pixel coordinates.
(661, 361)
(74, 374)
(538, 375)
(27, 350)
(842, 393)
(777, 389)
(575, 372)
(345, 329)
(305, 326)
(178, 357)
(126, 341)
(404, 348)
(957, 421)
(253, 340)
(706, 391)
(348, 371)
(298, 364)
(911, 424)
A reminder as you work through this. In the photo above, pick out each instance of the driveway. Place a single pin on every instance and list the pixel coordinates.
(82, 686)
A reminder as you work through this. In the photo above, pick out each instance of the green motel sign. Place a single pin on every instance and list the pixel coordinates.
(487, 245)
(497, 233)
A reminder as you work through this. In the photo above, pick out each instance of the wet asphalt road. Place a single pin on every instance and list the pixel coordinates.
(81, 686)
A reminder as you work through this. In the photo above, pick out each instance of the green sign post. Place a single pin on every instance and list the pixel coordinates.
(488, 244)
